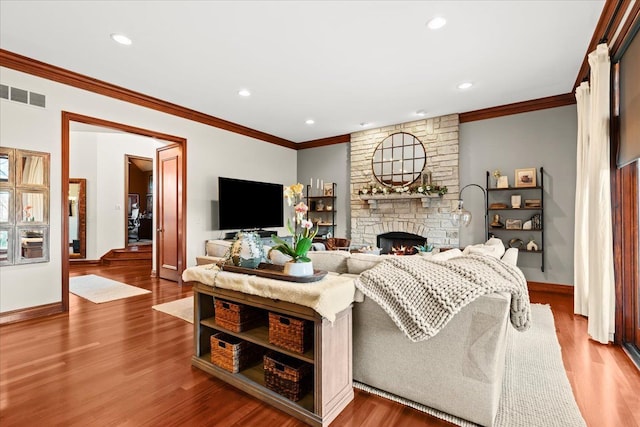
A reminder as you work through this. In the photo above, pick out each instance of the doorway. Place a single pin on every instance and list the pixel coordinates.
(69, 118)
(139, 190)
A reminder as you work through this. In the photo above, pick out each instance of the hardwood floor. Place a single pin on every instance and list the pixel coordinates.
(122, 363)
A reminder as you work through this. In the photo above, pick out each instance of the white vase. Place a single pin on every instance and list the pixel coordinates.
(298, 269)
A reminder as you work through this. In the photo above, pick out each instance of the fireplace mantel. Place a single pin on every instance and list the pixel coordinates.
(373, 200)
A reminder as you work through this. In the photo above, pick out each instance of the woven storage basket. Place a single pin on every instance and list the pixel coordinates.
(236, 317)
(289, 377)
(290, 333)
(233, 354)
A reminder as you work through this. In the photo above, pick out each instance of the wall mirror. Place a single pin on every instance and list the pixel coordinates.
(32, 169)
(77, 218)
(6, 206)
(24, 206)
(6, 240)
(398, 160)
(6, 166)
(33, 207)
(33, 244)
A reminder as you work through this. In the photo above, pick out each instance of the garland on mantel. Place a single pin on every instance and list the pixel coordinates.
(421, 189)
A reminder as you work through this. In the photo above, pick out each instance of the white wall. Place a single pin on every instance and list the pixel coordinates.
(211, 152)
(99, 158)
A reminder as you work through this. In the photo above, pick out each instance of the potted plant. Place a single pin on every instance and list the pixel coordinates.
(302, 232)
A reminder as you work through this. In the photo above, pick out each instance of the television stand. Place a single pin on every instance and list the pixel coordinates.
(261, 233)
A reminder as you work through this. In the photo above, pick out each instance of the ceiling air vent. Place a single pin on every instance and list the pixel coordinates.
(22, 96)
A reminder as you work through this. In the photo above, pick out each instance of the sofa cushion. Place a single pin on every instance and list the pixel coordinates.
(335, 261)
(217, 248)
(493, 247)
(446, 255)
(358, 263)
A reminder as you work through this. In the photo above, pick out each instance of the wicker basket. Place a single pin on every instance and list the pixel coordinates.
(289, 377)
(290, 333)
(236, 317)
(233, 354)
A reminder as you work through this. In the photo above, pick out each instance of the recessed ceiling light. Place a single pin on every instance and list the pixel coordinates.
(436, 23)
(421, 113)
(310, 121)
(244, 92)
(122, 39)
(465, 85)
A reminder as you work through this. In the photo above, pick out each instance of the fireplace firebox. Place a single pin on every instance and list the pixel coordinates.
(399, 242)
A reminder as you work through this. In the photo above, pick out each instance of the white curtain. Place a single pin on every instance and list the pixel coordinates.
(593, 256)
(581, 235)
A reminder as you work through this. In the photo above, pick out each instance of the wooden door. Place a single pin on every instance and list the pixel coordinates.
(170, 238)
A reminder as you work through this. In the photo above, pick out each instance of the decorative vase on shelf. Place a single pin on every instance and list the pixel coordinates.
(298, 269)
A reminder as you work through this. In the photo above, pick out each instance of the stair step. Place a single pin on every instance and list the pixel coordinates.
(133, 255)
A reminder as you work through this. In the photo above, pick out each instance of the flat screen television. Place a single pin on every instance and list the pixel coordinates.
(248, 205)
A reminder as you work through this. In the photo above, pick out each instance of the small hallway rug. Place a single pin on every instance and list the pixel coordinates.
(181, 308)
(98, 289)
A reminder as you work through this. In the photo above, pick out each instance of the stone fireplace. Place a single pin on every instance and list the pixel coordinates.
(425, 218)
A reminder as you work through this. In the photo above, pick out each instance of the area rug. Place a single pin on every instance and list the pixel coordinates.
(181, 308)
(99, 289)
(536, 391)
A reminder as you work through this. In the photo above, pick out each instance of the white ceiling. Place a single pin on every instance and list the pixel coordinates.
(340, 63)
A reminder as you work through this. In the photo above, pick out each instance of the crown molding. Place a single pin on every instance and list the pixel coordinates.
(40, 69)
(332, 140)
(518, 107)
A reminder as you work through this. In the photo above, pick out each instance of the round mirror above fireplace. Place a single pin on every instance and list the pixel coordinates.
(398, 160)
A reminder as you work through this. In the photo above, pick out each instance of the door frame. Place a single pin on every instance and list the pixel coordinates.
(67, 118)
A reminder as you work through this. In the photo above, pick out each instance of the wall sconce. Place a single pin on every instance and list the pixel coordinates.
(461, 216)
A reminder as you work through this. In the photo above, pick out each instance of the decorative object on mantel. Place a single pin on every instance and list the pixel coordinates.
(417, 189)
(463, 216)
(532, 246)
(302, 232)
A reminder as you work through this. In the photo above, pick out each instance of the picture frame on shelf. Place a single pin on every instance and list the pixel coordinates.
(513, 224)
(525, 177)
(328, 189)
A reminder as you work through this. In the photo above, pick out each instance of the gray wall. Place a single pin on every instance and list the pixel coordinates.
(331, 164)
(544, 138)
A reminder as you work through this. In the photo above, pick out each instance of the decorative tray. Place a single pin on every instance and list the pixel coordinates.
(273, 271)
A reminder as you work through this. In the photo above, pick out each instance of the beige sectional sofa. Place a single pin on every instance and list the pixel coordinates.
(459, 371)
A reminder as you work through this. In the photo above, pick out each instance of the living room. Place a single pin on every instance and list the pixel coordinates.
(531, 138)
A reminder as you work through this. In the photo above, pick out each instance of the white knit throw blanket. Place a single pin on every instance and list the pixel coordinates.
(422, 295)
